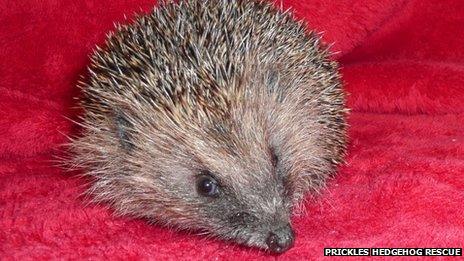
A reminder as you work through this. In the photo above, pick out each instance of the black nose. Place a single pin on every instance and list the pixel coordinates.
(280, 240)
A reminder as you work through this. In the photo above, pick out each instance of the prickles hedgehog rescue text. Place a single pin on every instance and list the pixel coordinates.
(213, 116)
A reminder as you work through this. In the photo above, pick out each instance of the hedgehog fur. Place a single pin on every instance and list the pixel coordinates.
(212, 116)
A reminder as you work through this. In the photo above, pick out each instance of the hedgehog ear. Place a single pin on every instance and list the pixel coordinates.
(273, 84)
(123, 130)
(272, 80)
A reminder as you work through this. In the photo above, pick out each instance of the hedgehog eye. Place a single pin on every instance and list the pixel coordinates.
(207, 186)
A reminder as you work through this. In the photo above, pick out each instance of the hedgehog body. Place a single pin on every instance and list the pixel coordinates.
(212, 116)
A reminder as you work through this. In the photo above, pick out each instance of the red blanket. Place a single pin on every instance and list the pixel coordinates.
(403, 65)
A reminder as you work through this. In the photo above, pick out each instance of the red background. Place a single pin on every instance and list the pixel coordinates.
(403, 65)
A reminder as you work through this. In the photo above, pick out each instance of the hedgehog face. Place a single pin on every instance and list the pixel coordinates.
(227, 178)
(255, 213)
(232, 190)
(252, 207)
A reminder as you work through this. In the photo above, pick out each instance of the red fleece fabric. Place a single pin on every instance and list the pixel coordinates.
(403, 184)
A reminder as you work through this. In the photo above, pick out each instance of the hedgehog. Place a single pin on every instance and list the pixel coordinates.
(213, 116)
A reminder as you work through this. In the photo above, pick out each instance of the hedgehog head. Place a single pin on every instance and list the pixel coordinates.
(233, 170)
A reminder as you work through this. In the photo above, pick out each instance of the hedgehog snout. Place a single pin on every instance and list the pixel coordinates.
(280, 239)
(273, 233)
